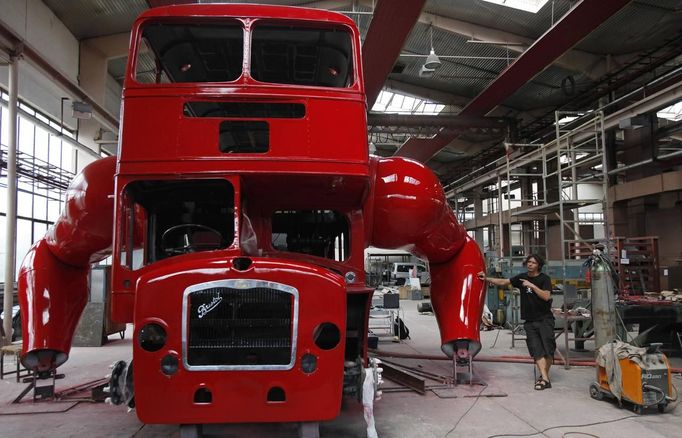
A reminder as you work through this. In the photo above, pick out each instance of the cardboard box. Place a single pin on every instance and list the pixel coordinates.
(404, 292)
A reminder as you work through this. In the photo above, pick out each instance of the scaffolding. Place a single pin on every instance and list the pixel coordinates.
(554, 180)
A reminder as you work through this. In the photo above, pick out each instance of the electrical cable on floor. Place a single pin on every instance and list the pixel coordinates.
(478, 396)
(673, 402)
(43, 412)
(139, 430)
(499, 328)
(579, 433)
(598, 423)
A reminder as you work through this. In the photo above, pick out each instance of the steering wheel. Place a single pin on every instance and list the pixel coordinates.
(186, 232)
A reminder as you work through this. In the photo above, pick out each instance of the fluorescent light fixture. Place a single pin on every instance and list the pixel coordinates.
(426, 72)
(524, 5)
(632, 122)
(81, 110)
(567, 119)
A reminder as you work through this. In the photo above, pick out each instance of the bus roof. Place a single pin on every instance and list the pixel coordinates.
(247, 11)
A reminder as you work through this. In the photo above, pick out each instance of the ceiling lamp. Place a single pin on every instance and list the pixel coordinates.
(432, 61)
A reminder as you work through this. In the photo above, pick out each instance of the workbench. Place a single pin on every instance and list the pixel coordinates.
(663, 317)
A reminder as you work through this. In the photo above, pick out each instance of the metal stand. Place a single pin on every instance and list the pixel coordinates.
(12, 350)
(309, 430)
(568, 319)
(40, 392)
(191, 431)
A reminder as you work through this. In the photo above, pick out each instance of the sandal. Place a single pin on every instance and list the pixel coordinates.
(542, 384)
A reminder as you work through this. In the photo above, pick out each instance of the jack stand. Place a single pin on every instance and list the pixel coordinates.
(465, 376)
(40, 392)
(309, 430)
(458, 378)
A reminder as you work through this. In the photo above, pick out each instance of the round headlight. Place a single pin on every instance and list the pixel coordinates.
(327, 336)
(152, 337)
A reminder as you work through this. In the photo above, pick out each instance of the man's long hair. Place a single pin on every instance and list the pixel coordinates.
(538, 259)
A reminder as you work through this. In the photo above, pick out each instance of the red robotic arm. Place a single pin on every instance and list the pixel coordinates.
(53, 280)
(410, 212)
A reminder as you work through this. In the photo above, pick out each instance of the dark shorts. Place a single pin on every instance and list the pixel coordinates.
(540, 337)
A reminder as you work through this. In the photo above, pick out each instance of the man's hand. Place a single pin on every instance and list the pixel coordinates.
(481, 276)
(528, 284)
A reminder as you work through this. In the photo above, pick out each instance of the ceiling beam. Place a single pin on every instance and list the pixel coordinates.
(594, 66)
(573, 27)
(390, 27)
(451, 122)
(576, 60)
(101, 114)
(110, 46)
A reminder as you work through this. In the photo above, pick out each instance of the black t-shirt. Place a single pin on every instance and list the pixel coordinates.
(533, 308)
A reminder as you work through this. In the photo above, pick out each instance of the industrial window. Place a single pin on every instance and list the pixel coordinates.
(46, 164)
(302, 56)
(239, 109)
(322, 233)
(207, 52)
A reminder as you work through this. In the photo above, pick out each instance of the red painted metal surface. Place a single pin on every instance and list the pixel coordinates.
(567, 32)
(315, 163)
(52, 295)
(240, 396)
(53, 280)
(410, 212)
(385, 39)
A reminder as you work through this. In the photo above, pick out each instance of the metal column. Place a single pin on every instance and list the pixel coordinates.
(11, 224)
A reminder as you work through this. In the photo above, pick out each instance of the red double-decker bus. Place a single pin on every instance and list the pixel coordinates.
(243, 199)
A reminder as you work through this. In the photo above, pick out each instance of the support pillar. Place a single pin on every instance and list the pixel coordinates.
(478, 214)
(11, 222)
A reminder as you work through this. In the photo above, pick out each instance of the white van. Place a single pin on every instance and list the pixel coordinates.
(401, 271)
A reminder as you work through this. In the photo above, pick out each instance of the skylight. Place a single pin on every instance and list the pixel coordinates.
(673, 112)
(525, 5)
(395, 103)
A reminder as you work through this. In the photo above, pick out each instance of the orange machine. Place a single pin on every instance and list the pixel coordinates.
(644, 383)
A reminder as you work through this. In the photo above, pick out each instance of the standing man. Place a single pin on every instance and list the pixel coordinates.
(536, 311)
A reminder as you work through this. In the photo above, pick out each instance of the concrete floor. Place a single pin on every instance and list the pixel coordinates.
(512, 408)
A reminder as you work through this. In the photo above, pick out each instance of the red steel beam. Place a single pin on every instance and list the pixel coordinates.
(158, 3)
(573, 27)
(390, 27)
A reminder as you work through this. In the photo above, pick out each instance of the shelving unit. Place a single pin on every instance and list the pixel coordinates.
(382, 322)
(636, 261)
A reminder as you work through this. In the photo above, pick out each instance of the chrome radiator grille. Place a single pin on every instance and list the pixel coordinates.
(250, 326)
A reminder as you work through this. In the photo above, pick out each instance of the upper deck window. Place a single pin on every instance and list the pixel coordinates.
(301, 56)
(171, 52)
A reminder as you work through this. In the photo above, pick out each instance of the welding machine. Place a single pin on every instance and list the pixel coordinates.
(645, 381)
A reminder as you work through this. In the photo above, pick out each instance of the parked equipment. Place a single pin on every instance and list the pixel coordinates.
(641, 379)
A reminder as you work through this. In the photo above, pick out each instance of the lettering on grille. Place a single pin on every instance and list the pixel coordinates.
(239, 327)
